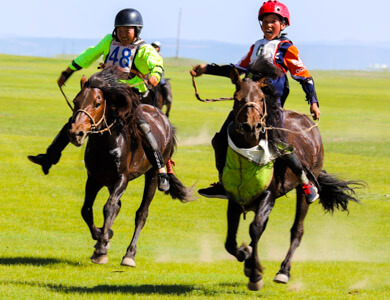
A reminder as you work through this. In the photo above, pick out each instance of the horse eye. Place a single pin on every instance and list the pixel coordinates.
(97, 105)
(258, 125)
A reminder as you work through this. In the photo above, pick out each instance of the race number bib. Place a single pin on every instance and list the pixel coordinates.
(121, 56)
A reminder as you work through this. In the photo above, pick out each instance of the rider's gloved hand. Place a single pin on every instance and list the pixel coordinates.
(153, 81)
(198, 70)
(64, 77)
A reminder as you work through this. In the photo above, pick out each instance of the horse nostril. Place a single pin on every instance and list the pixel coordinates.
(80, 133)
(246, 127)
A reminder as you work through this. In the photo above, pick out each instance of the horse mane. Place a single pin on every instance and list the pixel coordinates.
(263, 68)
(122, 100)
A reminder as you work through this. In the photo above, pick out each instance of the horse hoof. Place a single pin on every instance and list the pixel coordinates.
(281, 278)
(255, 286)
(99, 259)
(128, 262)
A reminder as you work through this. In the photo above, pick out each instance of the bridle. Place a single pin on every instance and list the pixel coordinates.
(256, 106)
(94, 125)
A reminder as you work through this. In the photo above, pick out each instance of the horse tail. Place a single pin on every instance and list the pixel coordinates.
(178, 190)
(336, 193)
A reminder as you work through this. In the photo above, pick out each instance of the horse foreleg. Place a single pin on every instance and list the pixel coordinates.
(296, 235)
(233, 217)
(110, 211)
(141, 215)
(91, 189)
(253, 268)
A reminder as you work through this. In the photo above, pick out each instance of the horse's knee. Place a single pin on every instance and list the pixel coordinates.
(296, 233)
(231, 247)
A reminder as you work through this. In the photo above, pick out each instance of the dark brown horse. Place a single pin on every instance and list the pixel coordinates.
(107, 112)
(159, 96)
(255, 114)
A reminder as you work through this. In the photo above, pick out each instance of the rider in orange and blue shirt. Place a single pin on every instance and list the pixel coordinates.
(274, 17)
(125, 49)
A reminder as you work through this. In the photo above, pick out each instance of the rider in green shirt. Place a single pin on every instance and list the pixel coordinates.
(125, 49)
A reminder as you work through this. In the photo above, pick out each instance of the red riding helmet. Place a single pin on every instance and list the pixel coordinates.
(274, 7)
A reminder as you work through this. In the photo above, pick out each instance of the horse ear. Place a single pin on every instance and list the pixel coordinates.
(83, 81)
(235, 76)
(262, 82)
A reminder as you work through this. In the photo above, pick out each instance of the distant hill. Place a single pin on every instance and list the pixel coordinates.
(349, 56)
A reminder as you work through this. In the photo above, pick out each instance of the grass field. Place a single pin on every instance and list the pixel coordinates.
(46, 246)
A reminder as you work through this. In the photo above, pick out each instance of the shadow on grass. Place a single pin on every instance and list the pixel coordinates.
(35, 261)
(144, 289)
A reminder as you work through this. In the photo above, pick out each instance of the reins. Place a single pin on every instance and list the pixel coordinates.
(66, 98)
(137, 73)
(207, 100)
(256, 106)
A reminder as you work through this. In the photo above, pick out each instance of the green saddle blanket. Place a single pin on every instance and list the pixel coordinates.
(244, 178)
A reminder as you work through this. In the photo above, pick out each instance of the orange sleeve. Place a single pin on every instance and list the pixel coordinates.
(294, 63)
(244, 62)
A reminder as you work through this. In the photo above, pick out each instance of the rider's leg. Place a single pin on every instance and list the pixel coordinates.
(154, 155)
(310, 190)
(53, 152)
(220, 145)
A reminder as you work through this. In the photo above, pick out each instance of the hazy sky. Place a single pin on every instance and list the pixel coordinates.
(222, 20)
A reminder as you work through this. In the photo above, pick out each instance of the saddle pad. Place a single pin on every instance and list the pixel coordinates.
(243, 179)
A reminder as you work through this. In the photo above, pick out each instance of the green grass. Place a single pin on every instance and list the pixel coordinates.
(46, 245)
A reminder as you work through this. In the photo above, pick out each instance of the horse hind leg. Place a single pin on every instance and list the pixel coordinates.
(141, 215)
(297, 230)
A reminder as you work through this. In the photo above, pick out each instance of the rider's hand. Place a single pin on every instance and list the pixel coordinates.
(153, 81)
(198, 70)
(315, 111)
(64, 77)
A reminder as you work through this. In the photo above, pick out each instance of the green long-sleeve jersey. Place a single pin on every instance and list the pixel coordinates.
(147, 60)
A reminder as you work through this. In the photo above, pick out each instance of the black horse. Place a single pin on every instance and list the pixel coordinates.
(107, 112)
(159, 96)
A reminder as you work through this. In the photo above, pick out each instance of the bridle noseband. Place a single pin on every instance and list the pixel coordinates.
(94, 124)
(260, 111)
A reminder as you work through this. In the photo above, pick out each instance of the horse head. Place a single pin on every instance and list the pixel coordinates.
(249, 108)
(100, 96)
(89, 112)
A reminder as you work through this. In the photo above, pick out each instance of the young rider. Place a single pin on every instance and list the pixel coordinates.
(123, 48)
(274, 17)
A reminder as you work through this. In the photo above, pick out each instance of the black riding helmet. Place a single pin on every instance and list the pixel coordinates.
(129, 17)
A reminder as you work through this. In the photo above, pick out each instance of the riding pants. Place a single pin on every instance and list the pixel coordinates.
(151, 148)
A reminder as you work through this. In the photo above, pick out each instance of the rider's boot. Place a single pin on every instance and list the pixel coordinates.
(216, 190)
(53, 152)
(154, 155)
(309, 189)
(219, 142)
